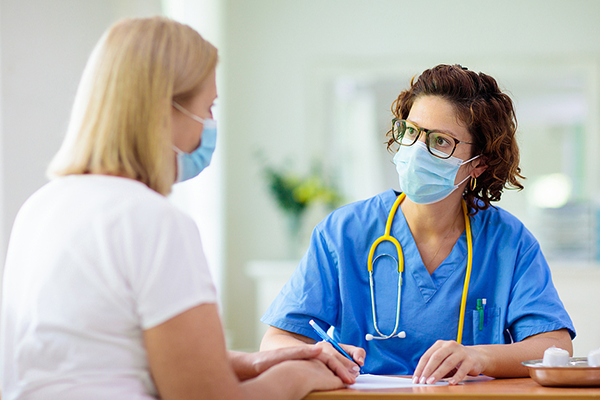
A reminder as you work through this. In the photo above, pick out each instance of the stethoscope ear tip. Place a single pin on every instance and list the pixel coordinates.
(402, 335)
(369, 337)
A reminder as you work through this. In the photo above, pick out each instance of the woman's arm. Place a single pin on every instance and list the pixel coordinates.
(347, 370)
(499, 360)
(250, 365)
(188, 360)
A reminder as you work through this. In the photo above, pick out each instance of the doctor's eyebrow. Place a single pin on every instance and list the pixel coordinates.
(436, 130)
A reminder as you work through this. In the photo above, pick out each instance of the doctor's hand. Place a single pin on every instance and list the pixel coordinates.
(344, 368)
(447, 358)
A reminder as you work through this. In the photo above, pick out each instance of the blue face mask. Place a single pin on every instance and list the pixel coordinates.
(425, 178)
(189, 165)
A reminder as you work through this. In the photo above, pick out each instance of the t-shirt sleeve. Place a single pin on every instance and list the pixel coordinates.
(311, 293)
(168, 272)
(535, 306)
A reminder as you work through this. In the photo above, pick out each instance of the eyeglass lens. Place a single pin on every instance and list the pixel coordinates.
(439, 144)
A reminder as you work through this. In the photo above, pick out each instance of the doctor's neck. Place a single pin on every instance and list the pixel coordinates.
(434, 219)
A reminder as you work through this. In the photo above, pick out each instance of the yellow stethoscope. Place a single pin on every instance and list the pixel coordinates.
(387, 237)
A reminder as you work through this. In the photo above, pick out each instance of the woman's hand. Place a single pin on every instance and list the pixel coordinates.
(448, 359)
(250, 365)
(315, 374)
(300, 362)
(340, 365)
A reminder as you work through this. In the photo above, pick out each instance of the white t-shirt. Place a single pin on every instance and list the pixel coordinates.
(92, 262)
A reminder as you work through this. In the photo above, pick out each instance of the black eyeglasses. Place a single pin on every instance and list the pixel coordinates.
(439, 144)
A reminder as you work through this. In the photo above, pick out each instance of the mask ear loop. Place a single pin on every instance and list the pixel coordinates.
(177, 149)
(470, 159)
(188, 113)
(468, 176)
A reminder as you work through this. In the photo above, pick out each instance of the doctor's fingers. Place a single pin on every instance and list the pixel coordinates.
(340, 365)
(423, 361)
(433, 357)
(467, 367)
(357, 353)
(454, 365)
(450, 358)
(473, 364)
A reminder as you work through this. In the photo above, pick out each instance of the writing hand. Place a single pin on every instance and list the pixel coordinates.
(343, 367)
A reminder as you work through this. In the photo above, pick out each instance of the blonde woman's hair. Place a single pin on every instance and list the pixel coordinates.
(121, 119)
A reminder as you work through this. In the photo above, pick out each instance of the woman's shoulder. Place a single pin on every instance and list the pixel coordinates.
(109, 197)
(363, 212)
(500, 222)
(497, 215)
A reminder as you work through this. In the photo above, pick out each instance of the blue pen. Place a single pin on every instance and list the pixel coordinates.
(328, 339)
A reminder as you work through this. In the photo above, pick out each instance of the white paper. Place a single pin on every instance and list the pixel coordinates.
(368, 381)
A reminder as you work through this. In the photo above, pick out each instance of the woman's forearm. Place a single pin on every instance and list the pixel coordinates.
(504, 361)
(268, 385)
(242, 365)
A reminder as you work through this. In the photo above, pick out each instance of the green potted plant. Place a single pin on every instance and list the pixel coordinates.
(295, 193)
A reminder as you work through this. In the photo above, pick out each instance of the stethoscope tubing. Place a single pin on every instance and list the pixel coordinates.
(387, 237)
(381, 335)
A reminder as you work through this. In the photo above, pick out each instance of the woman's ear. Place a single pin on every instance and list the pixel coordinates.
(480, 165)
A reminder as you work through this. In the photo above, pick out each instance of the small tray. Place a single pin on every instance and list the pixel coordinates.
(576, 374)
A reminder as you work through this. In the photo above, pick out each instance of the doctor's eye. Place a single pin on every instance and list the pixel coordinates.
(404, 132)
(410, 131)
(441, 142)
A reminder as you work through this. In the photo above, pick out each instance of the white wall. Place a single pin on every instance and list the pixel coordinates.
(44, 46)
(274, 50)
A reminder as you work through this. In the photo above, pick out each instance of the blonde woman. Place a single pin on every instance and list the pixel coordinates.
(106, 291)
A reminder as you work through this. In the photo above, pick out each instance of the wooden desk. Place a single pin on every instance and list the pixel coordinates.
(477, 388)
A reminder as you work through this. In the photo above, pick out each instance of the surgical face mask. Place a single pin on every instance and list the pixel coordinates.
(191, 164)
(424, 178)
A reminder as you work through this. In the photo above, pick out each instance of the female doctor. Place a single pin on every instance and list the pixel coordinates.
(107, 293)
(432, 281)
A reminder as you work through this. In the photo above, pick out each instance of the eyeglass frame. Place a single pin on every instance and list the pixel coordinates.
(427, 132)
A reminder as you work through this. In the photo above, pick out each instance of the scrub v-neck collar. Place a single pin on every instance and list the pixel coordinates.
(428, 284)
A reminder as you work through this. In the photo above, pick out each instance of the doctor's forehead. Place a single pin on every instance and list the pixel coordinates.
(437, 113)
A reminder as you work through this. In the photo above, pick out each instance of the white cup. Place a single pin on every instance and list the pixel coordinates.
(594, 358)
(555, 357)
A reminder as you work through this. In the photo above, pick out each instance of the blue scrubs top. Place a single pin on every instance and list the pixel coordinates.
(331, 286)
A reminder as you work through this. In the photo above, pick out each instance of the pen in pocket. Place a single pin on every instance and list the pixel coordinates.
(481, 313)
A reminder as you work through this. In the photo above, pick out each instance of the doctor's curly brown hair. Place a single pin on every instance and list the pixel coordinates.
(490, 119)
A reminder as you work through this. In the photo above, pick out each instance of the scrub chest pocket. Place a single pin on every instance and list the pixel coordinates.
(484, 327)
